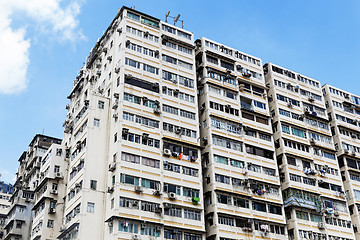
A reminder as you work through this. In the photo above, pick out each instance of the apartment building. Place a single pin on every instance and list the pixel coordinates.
(6, 190)
(241, 185)
(313, 192)
(19, 217)
(49, 194)
(344, 114)
(132, 134)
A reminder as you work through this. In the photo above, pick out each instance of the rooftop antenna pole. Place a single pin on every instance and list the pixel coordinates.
(166, 16)
(176, 19)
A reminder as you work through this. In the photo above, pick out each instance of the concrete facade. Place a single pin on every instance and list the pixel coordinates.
(241, 183)
(344, 114)
(133, 122)
(313, 193)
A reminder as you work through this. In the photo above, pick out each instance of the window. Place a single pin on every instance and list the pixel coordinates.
(93, 184)
(239, 202)
(168, 188)
(259, 206)
(274, 209)
(128, 179)
(189, 192)
(149, 183)
(128, 227)
(96, 122)
(192, 214)
(173, 211)
(50, 224)
(101, 104)
(128, 157)
(90, 207)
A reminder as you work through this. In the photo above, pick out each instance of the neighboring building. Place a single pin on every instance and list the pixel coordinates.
(133, 125)
(49, 194)
(241, 185)
(314, 199)
(6, 190)
(344, 112)
(19, 217)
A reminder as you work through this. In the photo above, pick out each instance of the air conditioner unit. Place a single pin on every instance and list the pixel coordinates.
(290, 105)
(100, 89)
(59, 175)
(158, 228)
(157, 193)
(167, 206)
(112, 166)
(62, 228)
(177, 130)
(138, 189)
(311, 99)
(158, 210)
(117, 70)
(353, 153)
(110, 224)
(336, 213)
(167, 152)
(143, 226)
(135, 203)
(312, 140)
(115, 105)
(110, 189)
(157, 110)
(98, 72)
(306, 110)
(125, 131)
(115, 115)
(52, 210)
(227, 106)
(264, 95)
(301, 116)
(321, 225)
(55, 192)
(135, 237)
(241, 87)
(353, 135)
(77, 185)
(145, 136)
(346, 151)
(172, 195)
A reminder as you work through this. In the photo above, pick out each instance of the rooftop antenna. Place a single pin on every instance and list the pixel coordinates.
(166, 16)
(176, 19)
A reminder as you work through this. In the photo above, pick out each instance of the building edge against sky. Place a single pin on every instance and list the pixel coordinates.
(171, 138)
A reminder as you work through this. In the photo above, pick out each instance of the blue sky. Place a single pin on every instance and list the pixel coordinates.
(45, 42)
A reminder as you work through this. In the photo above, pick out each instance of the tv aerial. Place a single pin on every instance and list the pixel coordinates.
(176, 19)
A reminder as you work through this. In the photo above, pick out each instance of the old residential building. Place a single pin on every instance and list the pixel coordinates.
(343, 109)
(241, 185)
(19, 218)
(314, 199)
(133, 125)
(6, 190)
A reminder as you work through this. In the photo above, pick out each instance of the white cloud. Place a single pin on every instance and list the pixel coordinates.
(7, 176)
(48, 17)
